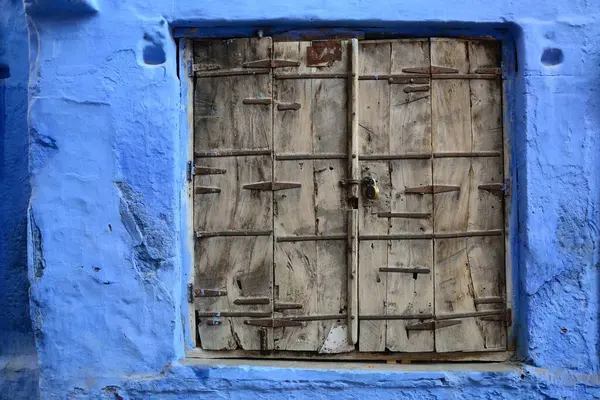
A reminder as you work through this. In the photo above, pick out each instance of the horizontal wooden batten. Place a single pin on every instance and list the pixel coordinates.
(384, 157)
(311, 156)
(491, 313)
(202, 235)
(342, 156)
(198, 355)
(309, 238)
(296, 320)
(404, 215)
(392, 79)
(450, 235)
(234, 72)
(489, 300)
(252, 300)
(472, 314)
(405, 270)
(467, 154)
(232, 153)
(394, 317)
(232, 314)
(271, 63)
(441, 235)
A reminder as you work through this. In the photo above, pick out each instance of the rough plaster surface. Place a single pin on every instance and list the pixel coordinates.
(18, 361)
(107, 263)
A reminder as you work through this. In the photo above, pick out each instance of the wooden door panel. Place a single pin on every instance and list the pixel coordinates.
(218, 55)
(233, 275)
(233, 112)
(233, 207)
(430, 248)
(311, 279)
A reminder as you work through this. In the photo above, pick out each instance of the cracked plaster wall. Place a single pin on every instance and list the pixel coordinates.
(107, 167)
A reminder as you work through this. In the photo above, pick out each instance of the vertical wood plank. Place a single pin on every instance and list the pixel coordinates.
(466, 269)
(372, 294)
(353, 118)
(451, 98)
(374, 99)
(240, 266)
(353, 276)
(243, 268)
(409, 294)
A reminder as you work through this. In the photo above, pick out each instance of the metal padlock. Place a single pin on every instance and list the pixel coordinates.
(371, 189)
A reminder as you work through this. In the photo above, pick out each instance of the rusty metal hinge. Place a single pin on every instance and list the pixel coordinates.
(190, 171)
(190, 69)
(190, 292)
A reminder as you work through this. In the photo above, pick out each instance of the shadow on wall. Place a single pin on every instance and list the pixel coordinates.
(18, 358)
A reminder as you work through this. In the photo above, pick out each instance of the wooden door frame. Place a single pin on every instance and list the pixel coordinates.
(186, 37)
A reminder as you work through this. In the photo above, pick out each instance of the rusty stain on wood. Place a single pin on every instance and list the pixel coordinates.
(323, 53)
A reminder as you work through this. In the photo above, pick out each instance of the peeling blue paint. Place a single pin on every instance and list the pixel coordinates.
(102, 140)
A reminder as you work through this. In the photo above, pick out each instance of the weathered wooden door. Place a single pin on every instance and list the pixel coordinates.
(295, 249)
(432, 246)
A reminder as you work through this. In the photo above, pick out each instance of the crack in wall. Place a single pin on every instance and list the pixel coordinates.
(39, 262)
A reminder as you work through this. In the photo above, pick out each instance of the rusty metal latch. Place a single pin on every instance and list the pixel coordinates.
(273, 322)
(370, 188)
(271, 186)
(190, 170)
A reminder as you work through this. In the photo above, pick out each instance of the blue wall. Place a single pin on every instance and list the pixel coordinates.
(107, 151)
(18, 360)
